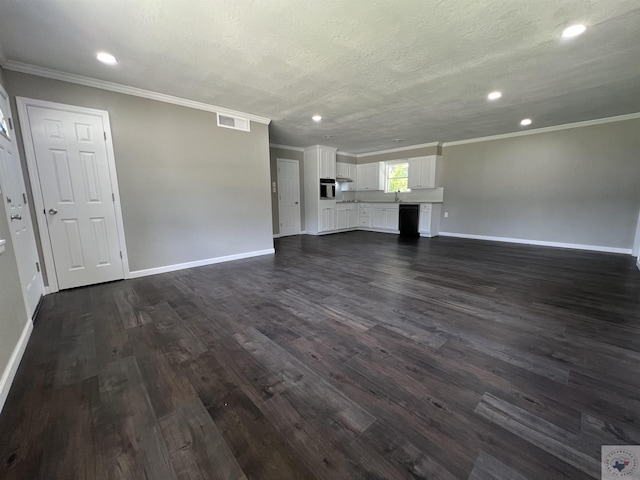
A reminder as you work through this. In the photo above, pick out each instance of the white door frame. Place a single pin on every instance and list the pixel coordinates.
(278, 160)
(34, 179)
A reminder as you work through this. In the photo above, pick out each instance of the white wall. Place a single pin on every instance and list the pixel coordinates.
(13, 314)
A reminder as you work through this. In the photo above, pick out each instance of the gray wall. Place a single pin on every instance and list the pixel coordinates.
(345, 158)
(13, 315)
(386, 157)
(579, 185)
(286, 154)
(190, 190)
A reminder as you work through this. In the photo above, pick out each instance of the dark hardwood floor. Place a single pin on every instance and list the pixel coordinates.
(348, 356)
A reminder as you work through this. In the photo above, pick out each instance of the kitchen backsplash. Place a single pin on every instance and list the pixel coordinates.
(418, 196)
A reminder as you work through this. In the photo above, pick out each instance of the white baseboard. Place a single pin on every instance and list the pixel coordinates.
(575, 246)
(14, 362)
(47, 290)
(277, 235)
(638, 263)
(198, 263)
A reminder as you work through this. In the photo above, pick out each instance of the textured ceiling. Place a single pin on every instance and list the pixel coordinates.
(376, 70)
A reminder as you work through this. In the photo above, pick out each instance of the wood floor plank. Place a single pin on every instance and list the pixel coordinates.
(543, 434)
(326, 400)
(260, 449)
(490, 468)
(196, 447)
(129, 443)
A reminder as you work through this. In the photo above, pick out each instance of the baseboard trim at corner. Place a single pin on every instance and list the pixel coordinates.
(638, 263)
(540, 243)
(277, 235)
(199, 263)
(14, 362)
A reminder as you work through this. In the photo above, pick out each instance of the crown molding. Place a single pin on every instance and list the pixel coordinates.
(346, 154)
(127, 90)
(399, 149)
(555, 128)
(286, 147)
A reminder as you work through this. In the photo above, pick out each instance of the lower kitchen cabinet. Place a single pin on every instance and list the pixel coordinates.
(346, 216)
(327, 219)
(430, 219)
(385, 216)
(364, 215)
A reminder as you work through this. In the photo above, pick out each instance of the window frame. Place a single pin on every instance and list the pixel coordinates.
(387, 166)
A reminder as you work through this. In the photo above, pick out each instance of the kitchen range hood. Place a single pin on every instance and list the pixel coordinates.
(343, 180)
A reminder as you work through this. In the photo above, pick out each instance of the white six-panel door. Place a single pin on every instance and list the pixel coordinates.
(72, 163)
(14, 195)
(288, 196)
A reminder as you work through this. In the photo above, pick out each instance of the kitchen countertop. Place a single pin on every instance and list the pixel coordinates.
(378, 201)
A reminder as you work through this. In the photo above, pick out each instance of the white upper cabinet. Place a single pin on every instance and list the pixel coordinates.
(370, 176)
(342, 170)
(422, 172)
(347, 170)
(327, 158)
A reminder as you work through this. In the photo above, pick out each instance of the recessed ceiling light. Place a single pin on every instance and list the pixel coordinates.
(397, 140)
(106, 58)
(573, 31)
(525, 122)
(316, 118)
(494, 95)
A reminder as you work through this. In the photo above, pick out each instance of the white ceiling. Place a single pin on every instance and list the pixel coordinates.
(376, 70)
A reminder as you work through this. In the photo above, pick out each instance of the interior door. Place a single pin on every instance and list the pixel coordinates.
(18, 213)
(72, 163)
(289, 197)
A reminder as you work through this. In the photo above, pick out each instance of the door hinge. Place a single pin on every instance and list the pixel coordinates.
(113, 197)
(37, 266)
(121, 255)
(10, 123)
(24, 198)
(105, 136)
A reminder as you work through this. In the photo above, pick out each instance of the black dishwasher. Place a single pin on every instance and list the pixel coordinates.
(408, 221)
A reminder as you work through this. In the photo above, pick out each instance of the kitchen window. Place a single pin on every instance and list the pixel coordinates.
(396, 177)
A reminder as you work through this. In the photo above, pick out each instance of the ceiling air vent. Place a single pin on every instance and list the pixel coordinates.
(237, 123)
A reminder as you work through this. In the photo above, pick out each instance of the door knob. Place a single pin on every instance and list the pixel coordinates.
(16, 217)
(52, 211)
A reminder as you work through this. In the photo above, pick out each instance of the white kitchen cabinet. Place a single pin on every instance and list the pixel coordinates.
(341, 217)
(327, 218)
(347, 170)
(342, 170)
(364, 215)
(319, 162)
(346, 216)
(370, 176)
(352, 216)
(385, 216)
(422, 172)
(430, 219)
(327, 158)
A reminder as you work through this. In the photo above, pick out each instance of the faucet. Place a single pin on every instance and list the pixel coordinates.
(397, 199)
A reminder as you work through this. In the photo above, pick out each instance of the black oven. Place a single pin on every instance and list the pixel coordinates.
(327, 188)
